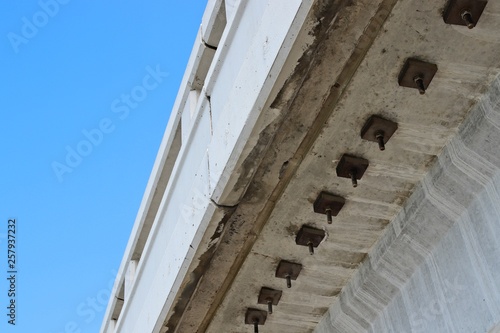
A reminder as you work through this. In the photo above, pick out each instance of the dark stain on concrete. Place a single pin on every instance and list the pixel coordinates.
(321, 311)
(292, 229)
(324, 12)
(190, 286)
(253, 159)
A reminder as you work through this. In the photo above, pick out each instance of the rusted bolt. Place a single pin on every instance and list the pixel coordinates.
(379, 130)
(380, 139)
(416, 74)
(354, 181)
(270, 305)
(311, 247)
(352, 167)
(467, 17)
(270, 297)
(256, 325)
(329, 204)
(419, 81)
(289, 271)
(328, 212)
(464, 12)
(255, 317)
(310, 237)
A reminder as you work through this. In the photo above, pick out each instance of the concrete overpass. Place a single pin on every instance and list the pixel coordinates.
(276, 92)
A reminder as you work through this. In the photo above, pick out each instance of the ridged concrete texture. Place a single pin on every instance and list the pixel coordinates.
(437, 267)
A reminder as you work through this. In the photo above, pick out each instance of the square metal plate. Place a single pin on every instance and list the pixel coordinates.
(347, 163)
(330, 201)
(308, 234)
(376, 124)
(454, 9)
(288, 268)
(269, 294)
(255, 314)
(416, 68)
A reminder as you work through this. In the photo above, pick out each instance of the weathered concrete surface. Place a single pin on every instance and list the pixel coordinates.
(284, 139)
(437, 267)
(426, 123)
(290, 129)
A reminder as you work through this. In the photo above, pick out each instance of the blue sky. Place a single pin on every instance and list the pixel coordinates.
(97, 80)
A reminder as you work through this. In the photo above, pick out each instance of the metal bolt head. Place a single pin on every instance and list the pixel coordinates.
(255, 317)
(329, 219)
(379, 130)
(329, 204)
(270, 297)
(310, 237)
(289, 271)
(380, 139)
(467, 17)
(417, 74)
(270, 306)
(354, 179)
(419, 81)
(311, 248)
(352, 167)
(464, 12)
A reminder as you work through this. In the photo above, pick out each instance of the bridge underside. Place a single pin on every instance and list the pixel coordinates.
(416, 247)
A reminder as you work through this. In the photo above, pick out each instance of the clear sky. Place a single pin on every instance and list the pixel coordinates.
(87, 90)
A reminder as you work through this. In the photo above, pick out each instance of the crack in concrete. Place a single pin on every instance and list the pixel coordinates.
(222, 206)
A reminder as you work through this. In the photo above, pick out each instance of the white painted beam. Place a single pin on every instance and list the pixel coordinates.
(187, 208)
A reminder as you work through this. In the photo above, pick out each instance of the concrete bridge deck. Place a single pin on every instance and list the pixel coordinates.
(275, 92)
